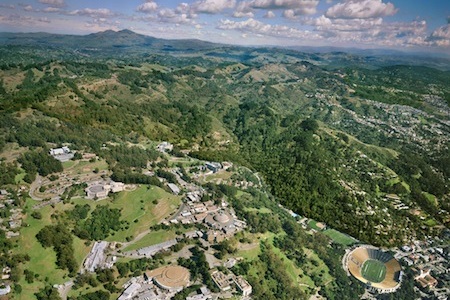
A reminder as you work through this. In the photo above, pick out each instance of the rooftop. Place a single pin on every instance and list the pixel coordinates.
(170, 277)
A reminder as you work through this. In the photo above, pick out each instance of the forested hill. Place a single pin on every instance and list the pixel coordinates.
(332, 141)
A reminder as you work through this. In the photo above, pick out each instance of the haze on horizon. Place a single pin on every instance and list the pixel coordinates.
(417, 25)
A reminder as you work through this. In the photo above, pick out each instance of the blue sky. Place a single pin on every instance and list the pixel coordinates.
(398, 24)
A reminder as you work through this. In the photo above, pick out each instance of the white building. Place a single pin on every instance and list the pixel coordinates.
(174, 188)
(243, 286)
(96, 257)
(62, 154)
(130, 291)
(164, 147)
(100, 190)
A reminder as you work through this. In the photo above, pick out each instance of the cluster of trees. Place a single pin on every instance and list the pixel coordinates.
(79, 212)
(129, 157)
(39, 162)
(8, 172)
(170, 177)
(127, 175)
(272, 280)
(59, 237)
(48, 293)
(199, 267)
(31, 91)
(100, 224)
(137, 266)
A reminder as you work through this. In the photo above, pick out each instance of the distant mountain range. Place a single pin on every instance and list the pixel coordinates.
(105, 39)
(126, 41)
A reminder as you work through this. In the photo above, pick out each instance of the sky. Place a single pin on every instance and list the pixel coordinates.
(396, 24)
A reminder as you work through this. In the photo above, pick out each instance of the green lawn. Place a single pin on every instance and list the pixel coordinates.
(42, 260)
(152, 238)
(339, 237)
(140, 211)
(82, 166)
(68, 164)
(313, 224)
(431, 198)
(373, 271)
(262, 210)
(19, 177)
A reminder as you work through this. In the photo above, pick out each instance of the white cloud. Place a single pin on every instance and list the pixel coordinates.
(28, 8)
(182, 14)
(240, 14)
(269, 14)
(51, 9)
(257, 27)
(361, 9)
(293, 8)
(284, 4)
(440, 36)
(9, 6)
(21, 21)
(93, 13)
(57, 3)
(372, 31)
(213, 6)
(148, 6)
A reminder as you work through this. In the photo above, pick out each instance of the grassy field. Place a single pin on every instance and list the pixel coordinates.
(373, 271)
(138, 209)
(42, 260)
(86, 166)
(152, 238)
(262, 210)
(313, 224)
(19, 177)
(339, 237)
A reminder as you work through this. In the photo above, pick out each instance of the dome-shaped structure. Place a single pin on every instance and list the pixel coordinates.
(222, 218)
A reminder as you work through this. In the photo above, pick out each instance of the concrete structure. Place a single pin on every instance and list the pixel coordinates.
(96, 257)
(174, 188)
(243, 286)
(5, 289)
(62, 154)
(220, 219)
(100, 190)
(152, 250)
(424, 278)
(213, 166)
(222, 281)
(355, 259)
(130, 291)
(164, 147)
(171, 278)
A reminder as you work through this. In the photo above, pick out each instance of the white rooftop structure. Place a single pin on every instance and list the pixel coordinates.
(164, 147)
(96, 256)
(62, 154)
(174, 188)
(152, 250)
(130, 291)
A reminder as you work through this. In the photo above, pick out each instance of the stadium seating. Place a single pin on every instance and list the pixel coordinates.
(359, 255)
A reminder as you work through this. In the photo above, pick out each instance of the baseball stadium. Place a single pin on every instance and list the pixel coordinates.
(377, 269)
